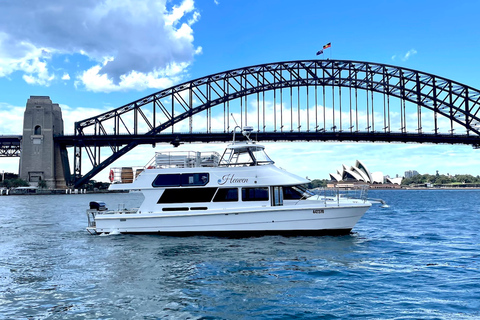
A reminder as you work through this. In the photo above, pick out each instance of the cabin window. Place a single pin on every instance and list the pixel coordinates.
(181, 180)
(226, 195)
(187, 195)
(296, 193)
(291, 193)
(194, 179)
(254, 194)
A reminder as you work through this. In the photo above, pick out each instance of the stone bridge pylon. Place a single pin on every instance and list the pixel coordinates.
(42, 158)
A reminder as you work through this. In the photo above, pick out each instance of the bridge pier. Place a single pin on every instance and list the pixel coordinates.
(42, 158)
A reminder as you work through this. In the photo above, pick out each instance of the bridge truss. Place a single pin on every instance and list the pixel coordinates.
(310, 100)
(10, 146)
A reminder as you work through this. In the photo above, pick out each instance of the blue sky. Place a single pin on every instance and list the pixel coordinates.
(91, 56)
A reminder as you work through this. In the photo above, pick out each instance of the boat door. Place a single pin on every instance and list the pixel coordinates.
(277, 196)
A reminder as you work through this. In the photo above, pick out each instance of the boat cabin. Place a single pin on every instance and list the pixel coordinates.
(244, 154)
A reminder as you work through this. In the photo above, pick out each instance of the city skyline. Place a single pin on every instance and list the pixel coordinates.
(89, 58)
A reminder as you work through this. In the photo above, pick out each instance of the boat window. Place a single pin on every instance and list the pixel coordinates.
(187, 195)
(277, 196)
(175, 209)
(254, 194)
(236, 157)
(181, 180)
(260, 156)
(226, 195)
(194, 179)
(289, 193)
(245, 156)
(296, 193)
(167, 180)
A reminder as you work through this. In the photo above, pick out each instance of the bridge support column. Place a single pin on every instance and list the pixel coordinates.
(42, 158)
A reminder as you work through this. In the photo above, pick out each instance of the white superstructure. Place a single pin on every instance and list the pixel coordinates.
(240, 193)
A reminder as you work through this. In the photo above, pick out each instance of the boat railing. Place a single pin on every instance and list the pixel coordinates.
(184, 159)
(164, 160)
(335, 194)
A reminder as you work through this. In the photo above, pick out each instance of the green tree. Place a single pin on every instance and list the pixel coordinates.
(317, 183)
(15, 183)
(42, 184)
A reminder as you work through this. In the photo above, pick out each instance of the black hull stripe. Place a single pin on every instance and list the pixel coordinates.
(247, 234)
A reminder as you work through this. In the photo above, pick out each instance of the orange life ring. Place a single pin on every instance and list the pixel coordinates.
(111, 176)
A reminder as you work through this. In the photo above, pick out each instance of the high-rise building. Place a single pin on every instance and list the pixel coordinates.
(411, 174)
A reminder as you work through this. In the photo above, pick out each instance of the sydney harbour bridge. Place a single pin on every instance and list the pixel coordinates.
(308, 100)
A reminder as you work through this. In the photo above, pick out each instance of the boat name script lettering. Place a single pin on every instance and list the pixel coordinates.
(318, 211)
(230, 178)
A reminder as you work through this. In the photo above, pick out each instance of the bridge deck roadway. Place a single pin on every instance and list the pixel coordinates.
(10, 140)
(119, 140)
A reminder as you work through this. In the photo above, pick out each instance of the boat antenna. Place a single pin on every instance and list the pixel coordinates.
(236, 126)
(234, 120)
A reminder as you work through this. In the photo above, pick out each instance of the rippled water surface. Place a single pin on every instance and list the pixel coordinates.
(418, 259)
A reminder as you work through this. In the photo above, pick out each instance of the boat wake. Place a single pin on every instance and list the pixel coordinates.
(384, 204)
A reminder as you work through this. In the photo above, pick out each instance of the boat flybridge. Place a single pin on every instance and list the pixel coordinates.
(240, 193)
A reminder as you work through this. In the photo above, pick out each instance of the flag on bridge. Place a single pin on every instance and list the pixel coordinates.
(319, 52)
(328, 45)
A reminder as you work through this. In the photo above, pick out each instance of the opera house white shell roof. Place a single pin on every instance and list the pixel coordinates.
(359, 172)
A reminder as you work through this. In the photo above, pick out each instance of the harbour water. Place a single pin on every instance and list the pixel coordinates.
(417, 259)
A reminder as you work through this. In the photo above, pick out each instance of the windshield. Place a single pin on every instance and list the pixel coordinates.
(245, 156)
(302, 189)
(260, 155)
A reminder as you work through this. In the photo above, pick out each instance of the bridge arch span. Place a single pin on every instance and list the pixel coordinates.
(351, 99)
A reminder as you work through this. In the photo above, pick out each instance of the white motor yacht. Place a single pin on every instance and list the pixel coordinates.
(241, 193)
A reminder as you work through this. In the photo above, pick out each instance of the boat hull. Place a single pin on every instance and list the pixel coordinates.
(299, 220)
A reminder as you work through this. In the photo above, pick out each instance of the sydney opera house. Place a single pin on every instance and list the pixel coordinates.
(360, 173)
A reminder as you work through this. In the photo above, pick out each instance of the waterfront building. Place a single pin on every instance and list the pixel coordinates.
(411, 174)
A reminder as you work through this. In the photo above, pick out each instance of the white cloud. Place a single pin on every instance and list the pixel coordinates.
(94, 80)
(178, 12)
(26, 57)
(11, 119)
(406, 56)
(410, 53)
(124, 40)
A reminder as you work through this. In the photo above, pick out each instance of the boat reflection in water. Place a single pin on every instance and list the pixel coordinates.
(241, 193)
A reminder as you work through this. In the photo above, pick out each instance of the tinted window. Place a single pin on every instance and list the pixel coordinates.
(187, 195)
(167, 180)
(181, 180)
(290, 193)
(226, 195)
(254, 194)
(194, 179)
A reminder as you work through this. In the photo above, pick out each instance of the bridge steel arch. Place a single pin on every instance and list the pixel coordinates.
(289, 101)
